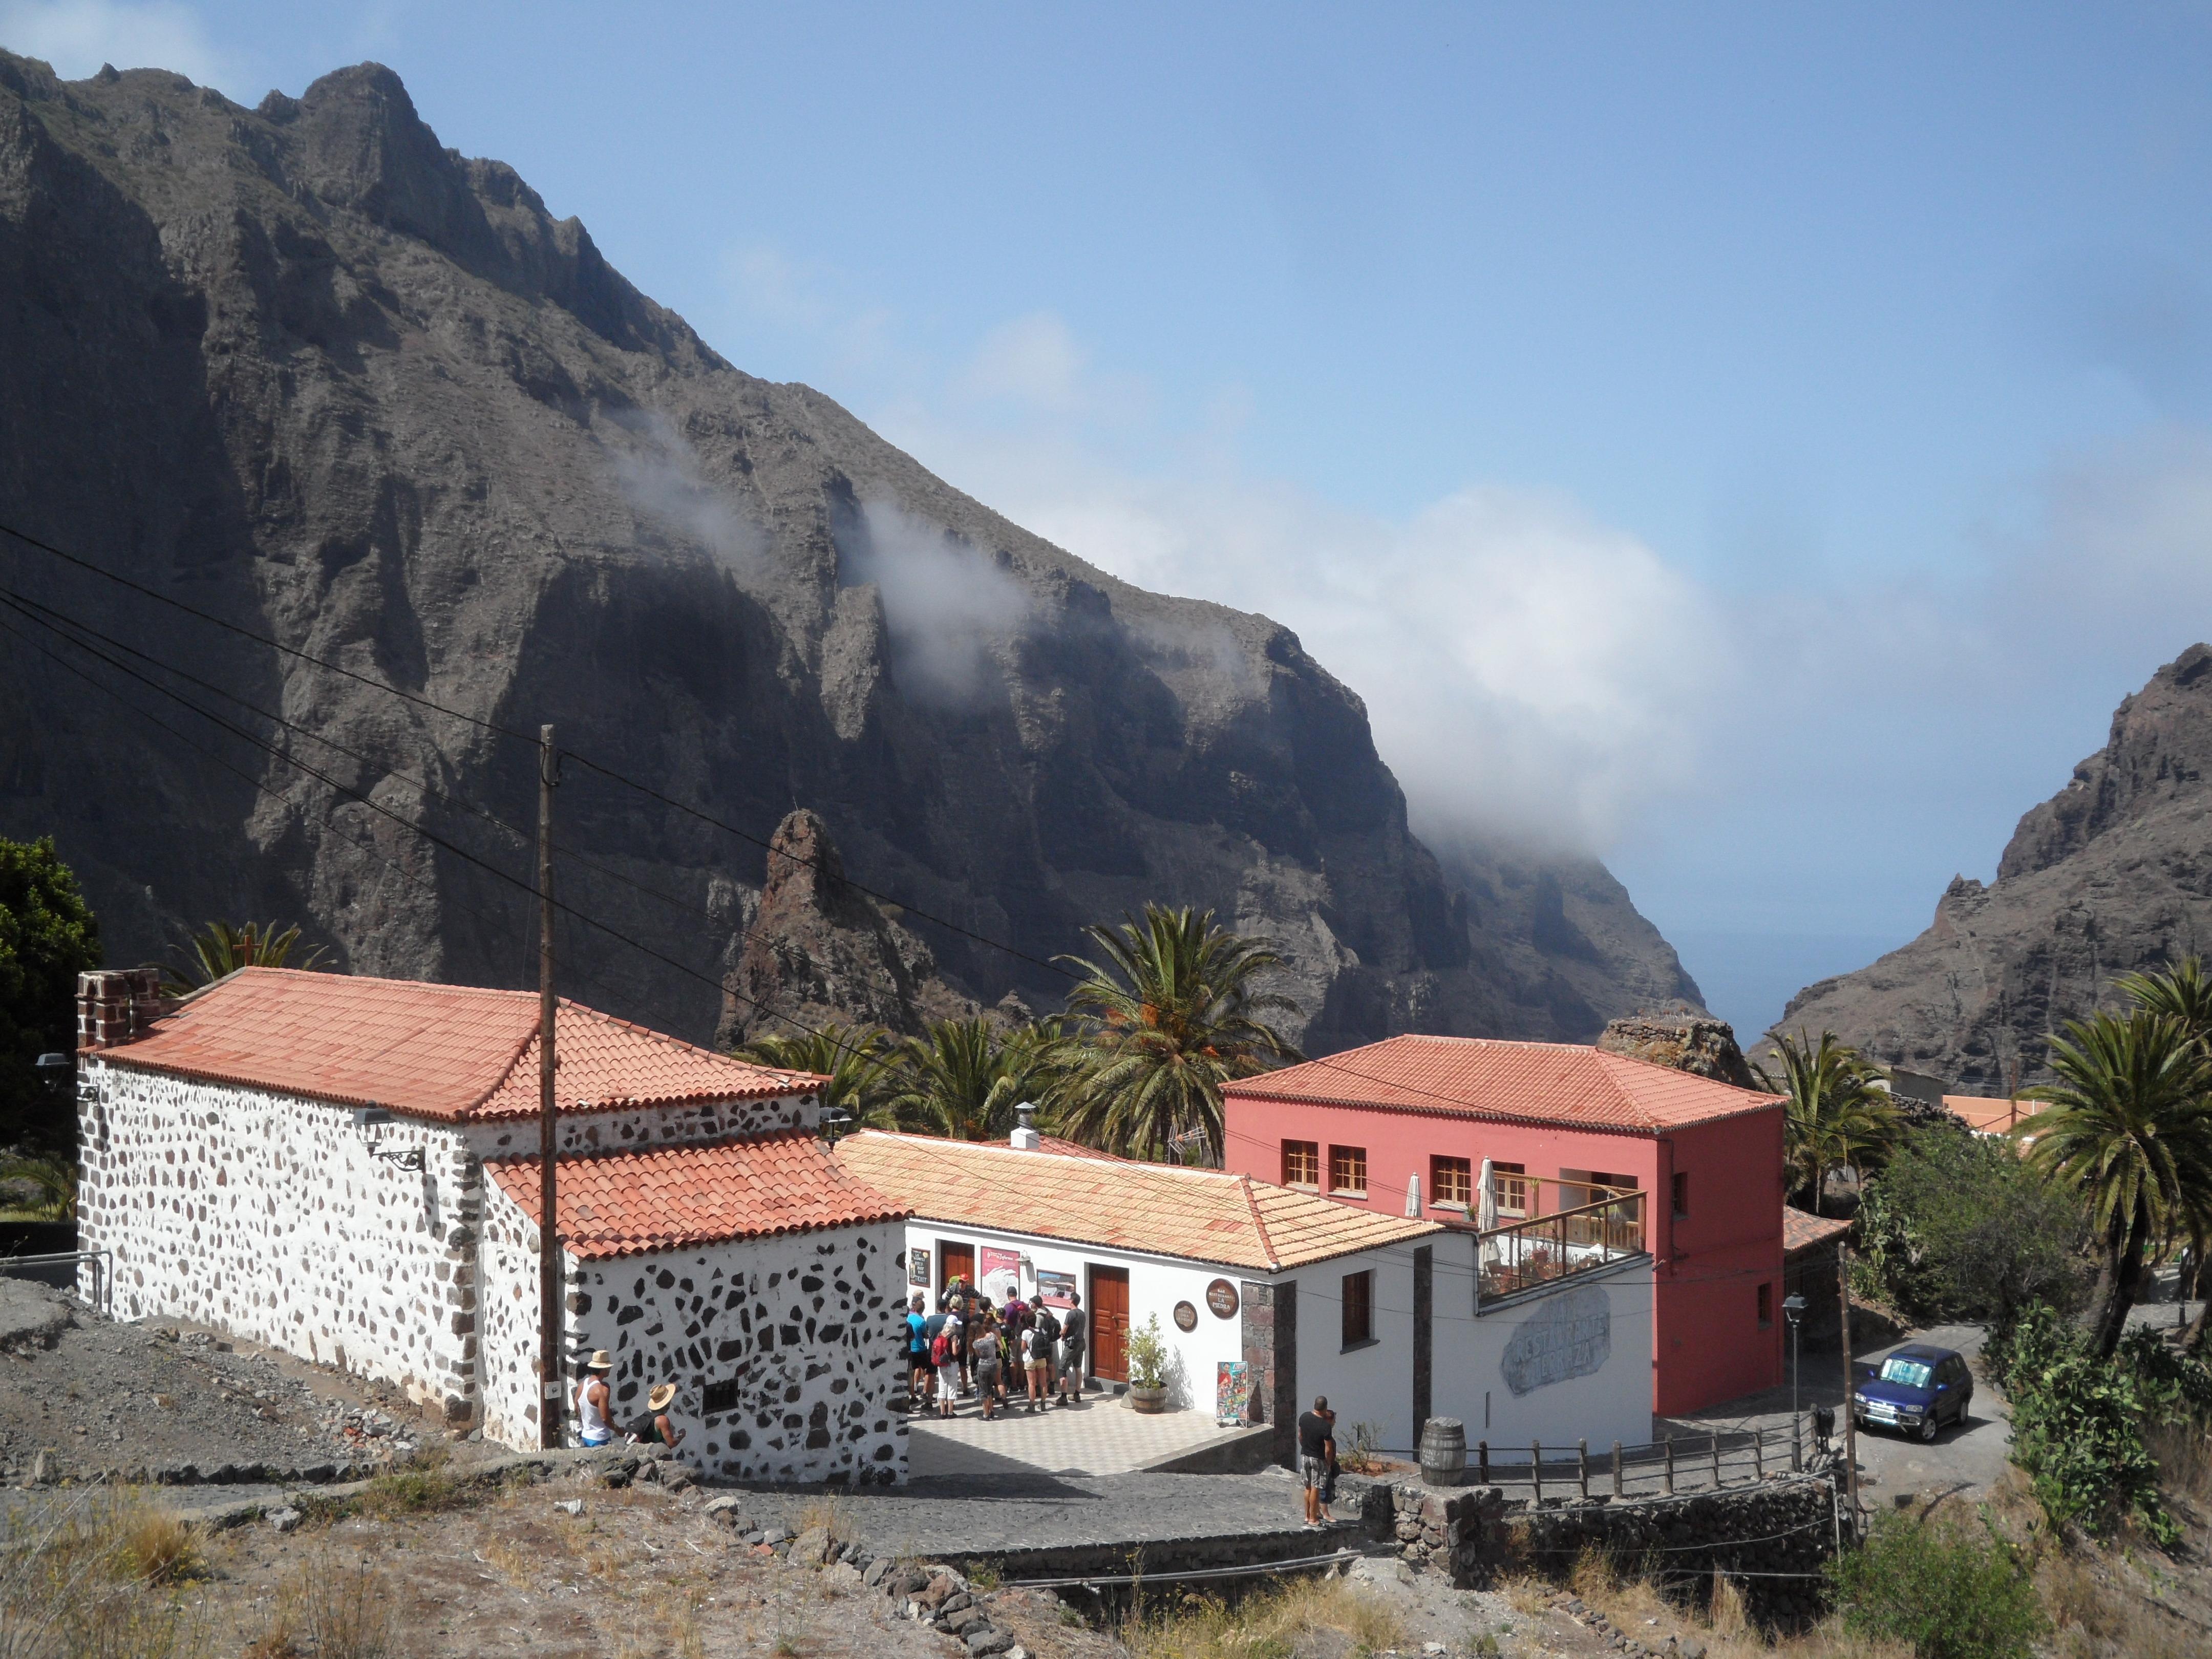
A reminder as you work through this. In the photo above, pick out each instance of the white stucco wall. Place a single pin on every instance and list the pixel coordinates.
(1572, 1364)
(805, 1323)
(1373, 1384)
(1155, 1284)
(264, 1215)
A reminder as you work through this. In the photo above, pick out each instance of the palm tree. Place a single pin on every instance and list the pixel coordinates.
(220, 949)
(855, 1058)
(2130, 1128)
(2181, 991)
(1172, 1014)
(962, 1079)
(1838, 1116)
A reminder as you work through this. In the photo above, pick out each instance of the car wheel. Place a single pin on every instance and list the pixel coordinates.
(1929, 1425)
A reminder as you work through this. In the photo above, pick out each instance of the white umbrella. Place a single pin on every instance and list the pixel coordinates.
(1485, 1213)
(1413, 1196)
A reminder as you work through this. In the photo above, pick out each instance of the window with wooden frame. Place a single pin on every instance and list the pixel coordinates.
(1512, 1185)
(1302, 1164)
(1348, 1171)
(1451, 1182)
(1359, 1309)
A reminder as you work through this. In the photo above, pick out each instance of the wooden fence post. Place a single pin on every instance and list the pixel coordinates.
(1670, 1465)
(1482, 1463)
(1616, 1469)
(1581, 1465)
(1536, 1475)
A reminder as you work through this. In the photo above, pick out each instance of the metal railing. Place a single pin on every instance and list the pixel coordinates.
(1657, 1469)
(1510, 1260)
(102, 1270)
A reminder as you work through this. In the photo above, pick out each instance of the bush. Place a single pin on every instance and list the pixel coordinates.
(1952, 1591)
(2077, 1429)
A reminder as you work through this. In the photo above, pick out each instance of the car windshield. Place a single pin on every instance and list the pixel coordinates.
(1913, 1373)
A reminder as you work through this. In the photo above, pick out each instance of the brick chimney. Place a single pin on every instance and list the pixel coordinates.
(115, 1005)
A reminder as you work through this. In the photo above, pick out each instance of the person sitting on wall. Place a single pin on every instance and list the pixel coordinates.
(594, 1403)
(655, 1428)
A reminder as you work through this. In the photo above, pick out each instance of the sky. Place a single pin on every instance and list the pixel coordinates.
(1758, 446)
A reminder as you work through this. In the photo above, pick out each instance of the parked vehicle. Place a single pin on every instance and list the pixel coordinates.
(1917, 1389)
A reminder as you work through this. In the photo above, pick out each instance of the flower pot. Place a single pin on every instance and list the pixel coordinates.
(1148, 1400)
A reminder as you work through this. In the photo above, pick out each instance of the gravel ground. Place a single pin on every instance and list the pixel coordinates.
(172, 1404)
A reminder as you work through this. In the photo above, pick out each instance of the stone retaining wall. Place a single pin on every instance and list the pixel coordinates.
(1776, 1534)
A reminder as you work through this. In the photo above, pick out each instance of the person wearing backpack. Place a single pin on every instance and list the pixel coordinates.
(944, 1354)
(1044, 1336)
(987, 1346)
(1070, 1350)
(918, 1372)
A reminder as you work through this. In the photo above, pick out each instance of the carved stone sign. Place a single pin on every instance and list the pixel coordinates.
(1221, 1296)
(1570, 1334)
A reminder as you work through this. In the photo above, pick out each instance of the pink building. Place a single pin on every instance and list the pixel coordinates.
(1639, 1169)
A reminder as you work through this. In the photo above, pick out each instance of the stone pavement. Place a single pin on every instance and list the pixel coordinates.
(1102, 1436)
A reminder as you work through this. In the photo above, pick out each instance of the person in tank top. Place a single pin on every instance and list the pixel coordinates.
(595, 1403)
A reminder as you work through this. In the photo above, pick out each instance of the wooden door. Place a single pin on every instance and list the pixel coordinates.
(1109, 1323)
(955, 1260)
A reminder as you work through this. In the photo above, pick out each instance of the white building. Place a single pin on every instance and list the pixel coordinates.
(345, 1167)
(1309, 1297)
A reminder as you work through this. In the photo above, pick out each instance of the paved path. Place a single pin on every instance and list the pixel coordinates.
(1099, 1436)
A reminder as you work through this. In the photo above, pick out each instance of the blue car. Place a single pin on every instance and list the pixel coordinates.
(1917, 1389)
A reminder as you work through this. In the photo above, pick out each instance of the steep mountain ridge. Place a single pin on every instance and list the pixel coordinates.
(2112, 874)
(307, 370)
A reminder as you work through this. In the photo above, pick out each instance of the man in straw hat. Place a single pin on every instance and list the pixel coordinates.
(594, 1403)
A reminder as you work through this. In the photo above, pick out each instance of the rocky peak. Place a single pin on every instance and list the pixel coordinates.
(819, 949)
(1682, 1036)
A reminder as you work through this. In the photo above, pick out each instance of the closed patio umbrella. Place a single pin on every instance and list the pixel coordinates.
(1485, 1208)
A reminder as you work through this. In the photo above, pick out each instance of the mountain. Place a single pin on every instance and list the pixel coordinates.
(309, 373)
(2112, 873)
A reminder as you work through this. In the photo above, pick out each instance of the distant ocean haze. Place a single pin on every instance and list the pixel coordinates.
(1748, 978)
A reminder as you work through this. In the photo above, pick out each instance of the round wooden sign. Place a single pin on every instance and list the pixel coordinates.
(1221, 1296)
(1186, 1316)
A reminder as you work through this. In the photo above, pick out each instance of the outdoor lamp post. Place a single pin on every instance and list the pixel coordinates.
(1793, 1310)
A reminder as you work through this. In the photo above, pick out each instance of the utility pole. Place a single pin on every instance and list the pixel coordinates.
(1851, 1386)
(551, 1388)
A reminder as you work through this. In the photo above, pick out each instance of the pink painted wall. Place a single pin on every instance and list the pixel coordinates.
(1708, 1344)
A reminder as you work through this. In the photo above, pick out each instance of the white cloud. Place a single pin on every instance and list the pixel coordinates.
(662, 479)
(946, 604)
(77, 36)
(1033, 359)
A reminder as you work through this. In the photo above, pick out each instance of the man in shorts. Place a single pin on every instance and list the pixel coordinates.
(917, 1354)
(1317, 1440)
(1070, 1350)
(987, 1345)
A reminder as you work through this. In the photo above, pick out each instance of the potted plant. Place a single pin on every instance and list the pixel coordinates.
(1148, 1368)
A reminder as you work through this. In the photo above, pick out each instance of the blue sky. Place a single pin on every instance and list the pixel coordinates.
(1757, 444)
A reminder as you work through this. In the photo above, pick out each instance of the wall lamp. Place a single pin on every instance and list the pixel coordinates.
(410, 1158)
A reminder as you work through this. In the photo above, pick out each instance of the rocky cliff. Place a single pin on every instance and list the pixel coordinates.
(307, 370)
(2112, 873)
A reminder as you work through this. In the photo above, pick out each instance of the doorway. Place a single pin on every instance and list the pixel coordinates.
(1109, 1323)
(954, 1262)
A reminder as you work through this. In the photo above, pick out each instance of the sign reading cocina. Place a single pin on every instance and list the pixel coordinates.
(1221, 1296)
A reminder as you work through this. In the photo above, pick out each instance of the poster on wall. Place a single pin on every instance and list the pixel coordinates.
(917, 1268)
(1233, 1393)
(998, 1273)
(1058, 1288)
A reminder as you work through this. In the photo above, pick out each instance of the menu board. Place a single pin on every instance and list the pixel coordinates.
(1233, 1393)
(1058, 1288)
(917, 1268)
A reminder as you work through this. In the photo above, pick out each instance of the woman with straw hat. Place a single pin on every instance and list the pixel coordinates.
(654, 1427)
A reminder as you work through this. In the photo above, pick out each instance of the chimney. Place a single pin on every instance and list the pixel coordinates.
(115, 1005)
(1025, 1138)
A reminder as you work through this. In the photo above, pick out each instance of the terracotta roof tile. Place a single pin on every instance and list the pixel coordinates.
(1992, 1117)
(1158, 1208)
(1568, 1084)
(452, 1052)
(672, 1197)
(1802, 1230)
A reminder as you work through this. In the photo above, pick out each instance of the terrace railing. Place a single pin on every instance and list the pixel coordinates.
(1510, 1261)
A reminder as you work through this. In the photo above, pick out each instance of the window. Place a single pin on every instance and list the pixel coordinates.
(1682, 1192)
(1581, 1187)
(1301, 1164)
(1765, 1301)
(1347, 1170)
(1511, 1183)
(1450, 1181)
(719, 1397)
(1359, 1309)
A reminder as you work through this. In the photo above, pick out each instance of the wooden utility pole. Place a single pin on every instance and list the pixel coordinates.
(551, 1386)
(1851, 1386)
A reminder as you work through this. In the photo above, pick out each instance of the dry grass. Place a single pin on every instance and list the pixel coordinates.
(1268, 1624)
(424, 1485)
(827, 1512)
(2184, 1453)
(99, 1578)
(333, 1608)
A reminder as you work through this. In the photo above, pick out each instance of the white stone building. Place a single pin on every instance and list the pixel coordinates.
(1375, 1312)
(345, 1167)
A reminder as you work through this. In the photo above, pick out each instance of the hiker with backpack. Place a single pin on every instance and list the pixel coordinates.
(918, 1373)
(945, 1353)
(1045, 1347)
(1070, 1350)
(653, 1429)
(987, 1347)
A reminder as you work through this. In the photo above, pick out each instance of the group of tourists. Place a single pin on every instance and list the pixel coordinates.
(1014, 1352)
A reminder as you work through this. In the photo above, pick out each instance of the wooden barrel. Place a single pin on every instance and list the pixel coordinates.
(1443, 1452)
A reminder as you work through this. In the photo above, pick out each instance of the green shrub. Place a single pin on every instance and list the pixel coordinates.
(1950, 1591)
(2077, 1429)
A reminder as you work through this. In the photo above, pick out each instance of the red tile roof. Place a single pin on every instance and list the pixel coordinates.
(1161, 1209)
(1802, 1230)
(672, 1197)
(452, 1052)
(1568, 1084)
(1990, 1116)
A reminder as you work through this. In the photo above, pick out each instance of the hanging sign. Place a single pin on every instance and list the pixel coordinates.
(1221, 1296)
(917, 1266)
(1186, 1316)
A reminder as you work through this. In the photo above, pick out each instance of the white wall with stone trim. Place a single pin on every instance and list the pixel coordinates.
(632, 1127)
(806, 1324)
(265, 1215)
